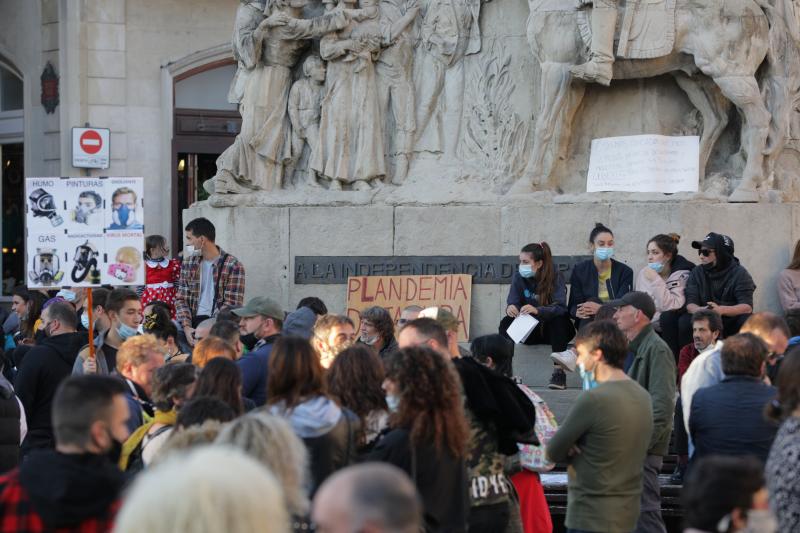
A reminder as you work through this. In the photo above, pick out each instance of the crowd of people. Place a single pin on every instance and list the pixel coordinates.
(194, 410)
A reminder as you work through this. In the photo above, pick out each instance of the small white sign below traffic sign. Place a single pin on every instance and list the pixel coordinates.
(91, 147)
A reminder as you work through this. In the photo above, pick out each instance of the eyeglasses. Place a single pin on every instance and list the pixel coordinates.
(705, 252)
(402, 321)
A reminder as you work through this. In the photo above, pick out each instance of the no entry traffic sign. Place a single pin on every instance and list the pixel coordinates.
(90, 147)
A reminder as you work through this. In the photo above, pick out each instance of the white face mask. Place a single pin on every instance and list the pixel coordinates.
(369, 341)
(760, 521)
(191, 250)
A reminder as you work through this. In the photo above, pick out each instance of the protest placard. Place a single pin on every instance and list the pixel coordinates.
(394, 293)
(644, 163)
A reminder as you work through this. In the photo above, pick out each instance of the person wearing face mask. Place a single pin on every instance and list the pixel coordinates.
(123, 210)
(377, 330)
(727, 495)
(720, 283)
(45, 366)
(605, 436)
(598, 280)
(161, 273)
(332, 334)
(653, 367)
(76, 486)
(137, 360)
(118, 321)
(263, 318)
(211, 279)
(538, 289)
(664, 279)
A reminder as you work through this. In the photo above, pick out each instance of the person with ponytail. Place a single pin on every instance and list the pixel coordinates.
(664, 279)
(538, 289)
(783, 468)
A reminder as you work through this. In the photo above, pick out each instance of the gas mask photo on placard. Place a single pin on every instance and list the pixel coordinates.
(126, 265)
(85, 260)
(89, 202)
(43, 205)
(46, 268)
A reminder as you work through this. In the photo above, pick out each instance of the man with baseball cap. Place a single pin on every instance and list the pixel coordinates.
(263, 318)
(653, 367)
(719, 283)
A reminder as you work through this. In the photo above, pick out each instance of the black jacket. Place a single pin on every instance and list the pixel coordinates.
(44, 368)
(9, 427)
(441, 479)
(67, 489)
(584, 284)
(334, 450)
(728, 418)
(732, 285)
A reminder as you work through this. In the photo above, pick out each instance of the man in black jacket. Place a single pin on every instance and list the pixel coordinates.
(727, 418)
(44, 368)
(719, 283)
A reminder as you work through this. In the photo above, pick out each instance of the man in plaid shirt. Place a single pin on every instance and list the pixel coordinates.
(210, 279)
(77, 486)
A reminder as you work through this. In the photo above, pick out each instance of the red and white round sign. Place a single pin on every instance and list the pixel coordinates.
(91, 142)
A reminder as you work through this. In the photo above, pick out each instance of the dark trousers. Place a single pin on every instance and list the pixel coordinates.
(670, 330)
(491, 518)
(730, 326)
(681, 438)
(556, 331)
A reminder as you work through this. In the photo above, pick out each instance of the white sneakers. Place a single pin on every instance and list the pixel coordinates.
(567, 359)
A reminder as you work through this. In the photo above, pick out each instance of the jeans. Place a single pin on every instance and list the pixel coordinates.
(556, 331)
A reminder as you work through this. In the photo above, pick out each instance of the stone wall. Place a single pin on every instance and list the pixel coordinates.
(267, 239)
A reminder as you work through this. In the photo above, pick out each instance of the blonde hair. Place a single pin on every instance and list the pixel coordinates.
(271, 441)
(220, 489)
(209, 348)
(183, 439)
(136, 351)
(129, 256)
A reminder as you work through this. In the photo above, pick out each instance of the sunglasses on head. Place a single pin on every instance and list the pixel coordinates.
(705, 252)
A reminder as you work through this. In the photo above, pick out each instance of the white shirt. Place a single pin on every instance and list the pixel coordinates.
(705, 370)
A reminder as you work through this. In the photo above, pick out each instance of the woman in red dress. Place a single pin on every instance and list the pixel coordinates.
(161, 273)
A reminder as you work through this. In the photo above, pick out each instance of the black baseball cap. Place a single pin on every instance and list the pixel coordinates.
(640, 300)
(714, 241)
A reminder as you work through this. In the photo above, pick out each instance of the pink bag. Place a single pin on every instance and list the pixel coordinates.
(533, 457)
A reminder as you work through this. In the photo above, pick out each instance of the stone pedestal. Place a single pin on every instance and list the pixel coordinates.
(268, 238)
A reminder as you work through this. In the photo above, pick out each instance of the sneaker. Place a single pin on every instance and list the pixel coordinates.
(567, 359)
(558, 380)
(677, 476)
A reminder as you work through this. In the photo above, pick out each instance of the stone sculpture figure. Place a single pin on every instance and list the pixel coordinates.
(305, 99)
(395, 82)
(449, 31)
(718, 48)
(269, 47)
(350, 149)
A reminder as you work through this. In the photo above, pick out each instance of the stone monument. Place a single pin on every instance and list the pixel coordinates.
(462, 127)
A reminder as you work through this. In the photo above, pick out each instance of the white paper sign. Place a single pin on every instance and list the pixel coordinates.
(521, 328)
(644, 163)
(84, 232)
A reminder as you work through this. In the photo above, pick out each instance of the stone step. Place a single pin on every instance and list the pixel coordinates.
(534, 366)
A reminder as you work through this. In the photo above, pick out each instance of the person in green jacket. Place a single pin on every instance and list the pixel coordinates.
(604, 437)
(653, 367)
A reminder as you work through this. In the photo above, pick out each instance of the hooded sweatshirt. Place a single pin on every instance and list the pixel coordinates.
(68, 489)
(44, 368)
(726, 283)
(668, 294)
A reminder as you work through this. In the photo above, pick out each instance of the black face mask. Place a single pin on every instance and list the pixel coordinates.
(248, 340)
(116, 450)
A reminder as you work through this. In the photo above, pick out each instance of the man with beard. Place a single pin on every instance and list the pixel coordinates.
(263, 318)
(332, 335)
(75, 487)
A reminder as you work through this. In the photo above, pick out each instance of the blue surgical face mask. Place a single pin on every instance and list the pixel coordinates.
(85, 320)
(589, 382)
(392, 402)
(67, 294)
(526, 271)
(125, 332)
(658, 267)
(603, 253)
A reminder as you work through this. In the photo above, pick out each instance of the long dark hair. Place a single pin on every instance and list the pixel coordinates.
(499, 348)
(545, 276)
(795, 264)
(355, 379)
(295, 373)
(430, 400)
(34, 301)
(222, 379)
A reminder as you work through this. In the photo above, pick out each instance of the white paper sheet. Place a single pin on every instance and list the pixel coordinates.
(521, 328)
